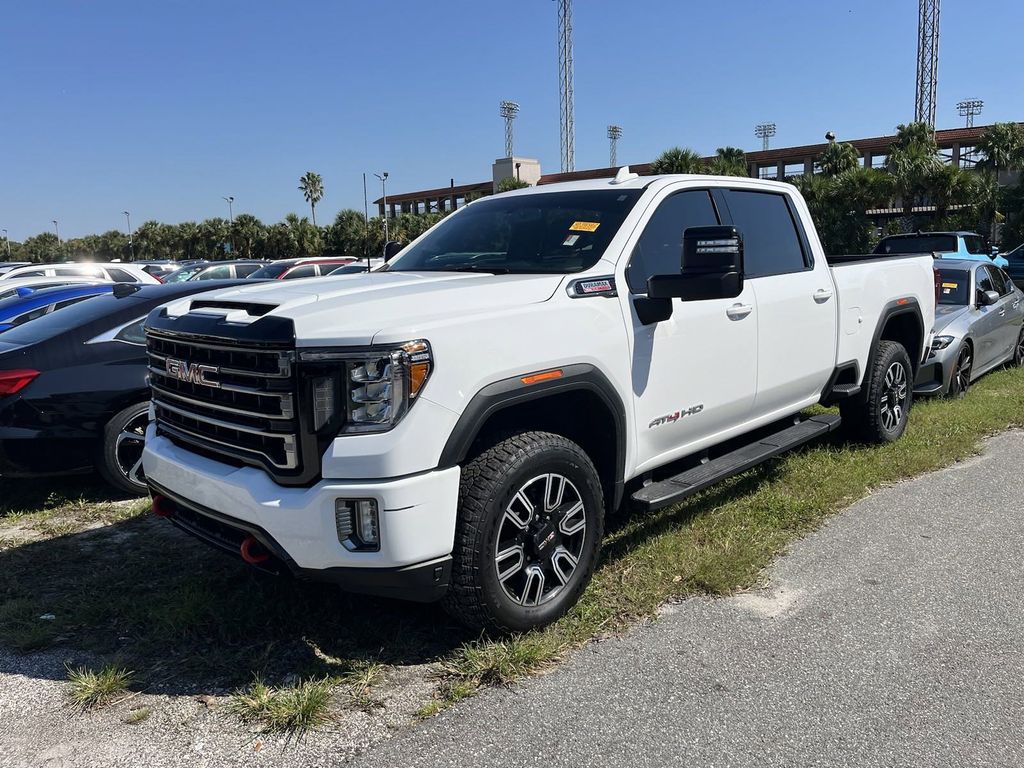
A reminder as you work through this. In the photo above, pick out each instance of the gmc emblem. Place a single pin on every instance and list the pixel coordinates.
(193, 373)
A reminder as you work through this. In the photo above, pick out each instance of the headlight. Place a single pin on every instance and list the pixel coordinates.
(941, 342)
(366, 391)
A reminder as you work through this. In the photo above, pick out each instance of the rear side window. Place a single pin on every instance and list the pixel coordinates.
(771, 244)
(32, 273)
(222, 272)
(975, 244)
(244, 270)
(308, 270)
(121, 276)
(660, 249)
(33, 315)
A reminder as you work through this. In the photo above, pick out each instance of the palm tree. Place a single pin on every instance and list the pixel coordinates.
(248, 234)
(913, 158)
(678, 160)
(729, 161)
(838, 157)
(1002, 147)
(312, 187)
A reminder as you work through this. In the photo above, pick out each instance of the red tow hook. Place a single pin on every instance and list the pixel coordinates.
(250, 553)
(160, 507)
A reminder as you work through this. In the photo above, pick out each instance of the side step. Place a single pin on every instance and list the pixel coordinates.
(665, 492)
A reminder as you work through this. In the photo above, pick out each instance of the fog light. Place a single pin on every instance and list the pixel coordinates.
(367, 523)
(358, 523)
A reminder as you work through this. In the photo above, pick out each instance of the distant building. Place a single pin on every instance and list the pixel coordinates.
(956, 145)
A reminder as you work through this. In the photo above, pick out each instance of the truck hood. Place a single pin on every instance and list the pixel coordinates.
(364, 308)
(947, 314)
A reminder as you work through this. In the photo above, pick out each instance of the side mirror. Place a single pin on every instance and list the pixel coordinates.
(987, 298)
(391, 248)
(995, 251)
(711, 267)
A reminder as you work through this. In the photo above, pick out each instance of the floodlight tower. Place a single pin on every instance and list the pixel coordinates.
(565, 69)
(509, 110)
(969, 108)
(614, 134)
(927, 61)
(764, 131)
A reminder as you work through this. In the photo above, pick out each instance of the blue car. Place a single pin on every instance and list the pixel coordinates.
(947, 245)
(28, 304)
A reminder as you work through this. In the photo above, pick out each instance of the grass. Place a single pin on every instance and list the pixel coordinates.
(292, 710)
(89, 689)
(139, 591)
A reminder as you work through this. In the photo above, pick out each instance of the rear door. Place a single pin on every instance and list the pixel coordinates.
(796, 308)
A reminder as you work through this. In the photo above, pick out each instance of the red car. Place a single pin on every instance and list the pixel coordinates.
(288, 269)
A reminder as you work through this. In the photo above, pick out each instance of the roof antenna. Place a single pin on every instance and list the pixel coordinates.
(624, 175)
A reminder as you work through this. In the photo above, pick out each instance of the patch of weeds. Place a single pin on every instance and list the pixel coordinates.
(89, 688)
(21, 627)
(291, 710)
(361, 683)
(138, 715)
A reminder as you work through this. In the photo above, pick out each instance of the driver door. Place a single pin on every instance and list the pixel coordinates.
(693, 374)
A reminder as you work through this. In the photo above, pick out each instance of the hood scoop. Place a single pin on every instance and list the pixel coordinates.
(231, 307)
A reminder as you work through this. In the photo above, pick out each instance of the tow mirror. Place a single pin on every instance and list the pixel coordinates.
(391, 248)
(987, 298)
(711, 267)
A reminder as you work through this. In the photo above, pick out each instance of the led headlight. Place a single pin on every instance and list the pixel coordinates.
(377, 387)
(941, 342)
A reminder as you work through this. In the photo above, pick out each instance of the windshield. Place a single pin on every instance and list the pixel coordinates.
(183, 274)
(547, 233)
(953, 286)
(917, 244)
(271, 272)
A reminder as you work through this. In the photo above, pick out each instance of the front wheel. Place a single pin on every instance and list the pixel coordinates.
(531, 519)
(881, 415)
(960, 381)
(1018, 351)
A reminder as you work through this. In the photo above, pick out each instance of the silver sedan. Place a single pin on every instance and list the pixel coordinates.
(979, 325)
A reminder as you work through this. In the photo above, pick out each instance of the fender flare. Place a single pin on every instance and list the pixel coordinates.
(506, 393)
(896, 308)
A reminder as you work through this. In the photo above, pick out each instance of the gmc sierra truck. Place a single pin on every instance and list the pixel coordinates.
(457, 425)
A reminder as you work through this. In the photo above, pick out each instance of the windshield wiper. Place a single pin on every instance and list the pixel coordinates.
(478, 268)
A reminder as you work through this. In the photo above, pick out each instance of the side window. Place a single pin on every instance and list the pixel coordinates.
(133, 333)
(121, 276)
(307, 270)
(244, 270)
(20, 319)
(69, 302)
(771, 244)
(975, 245)
(223, 272)
(998, 279)
(984, 280)
(660, 249)
(31, 273)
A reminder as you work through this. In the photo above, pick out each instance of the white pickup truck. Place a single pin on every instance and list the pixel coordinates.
(457, 426)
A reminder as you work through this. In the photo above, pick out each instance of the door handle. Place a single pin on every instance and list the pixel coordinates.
(822, 295)
(1002, 312)
(739, 311)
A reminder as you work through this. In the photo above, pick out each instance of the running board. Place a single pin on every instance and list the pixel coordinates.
(666, 492)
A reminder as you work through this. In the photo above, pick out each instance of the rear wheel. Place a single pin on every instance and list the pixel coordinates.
(1018, 351)
(531, 517)
(880, 416)
(960, 381)
(123, 440)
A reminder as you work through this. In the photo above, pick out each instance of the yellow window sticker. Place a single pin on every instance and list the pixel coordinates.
(950, 285)
(584, 226)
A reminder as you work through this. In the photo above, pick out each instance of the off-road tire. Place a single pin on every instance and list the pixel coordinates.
(107, 463)
(489, 484)
(863, 417)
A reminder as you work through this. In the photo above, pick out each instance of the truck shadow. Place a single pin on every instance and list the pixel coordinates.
(191, 620)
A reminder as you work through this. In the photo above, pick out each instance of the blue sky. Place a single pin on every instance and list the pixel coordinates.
(163, 107)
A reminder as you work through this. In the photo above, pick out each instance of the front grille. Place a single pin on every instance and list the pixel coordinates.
(236, 403)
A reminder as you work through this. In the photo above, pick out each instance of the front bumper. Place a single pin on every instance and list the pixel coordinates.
(934, 376)
(297, 525)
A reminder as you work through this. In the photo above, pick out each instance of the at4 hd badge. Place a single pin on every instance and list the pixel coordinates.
(672, 418)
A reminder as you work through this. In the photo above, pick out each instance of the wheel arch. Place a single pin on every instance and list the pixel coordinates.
(900, 321)
(581, 404)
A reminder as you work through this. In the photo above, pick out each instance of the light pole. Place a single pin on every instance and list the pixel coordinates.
(131, 244)
(764, 131)
(57, 230)
(614, 134)
(383, 176)
(8, 244)
(230, 199)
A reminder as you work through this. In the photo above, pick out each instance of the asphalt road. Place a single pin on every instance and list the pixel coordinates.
(892, 637)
